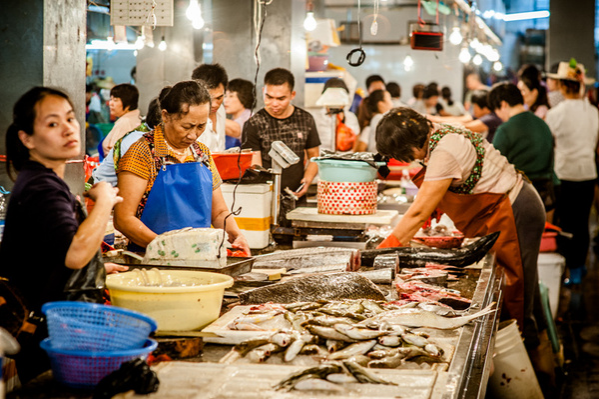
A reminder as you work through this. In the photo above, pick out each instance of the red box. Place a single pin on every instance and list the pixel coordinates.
(227, 164)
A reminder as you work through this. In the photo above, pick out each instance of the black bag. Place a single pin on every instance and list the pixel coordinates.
(88, 283)
(546, 190)
(15, 316)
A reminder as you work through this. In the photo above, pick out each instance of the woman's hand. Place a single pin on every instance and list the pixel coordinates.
(104, 191)
(241, 243)
(113, 268)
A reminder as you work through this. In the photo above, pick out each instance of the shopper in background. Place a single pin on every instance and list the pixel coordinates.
(417, 91)
(525, 140)
(429, 104)
(325, 118)
(450, 107)
(215, 78)
(106, 171)
(281, 120)
(239, 101)
(574, 123)
(378, 103)
(473, 82)
(123, 105)
(395, 90)
(533, 92)
(47, 240)
(554, 95)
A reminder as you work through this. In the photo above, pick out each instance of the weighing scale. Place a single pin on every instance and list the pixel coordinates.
(313, 229)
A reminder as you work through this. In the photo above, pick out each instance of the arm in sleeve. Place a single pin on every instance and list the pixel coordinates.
(501, 141)
(250, 136)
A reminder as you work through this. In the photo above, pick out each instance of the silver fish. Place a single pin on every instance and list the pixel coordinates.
(372, 306)
(294, 349)
(316, 384)
(320, 371)
(329, 333)
(363, 375)
(414, 339)
(341, 267)
(387, 362)
(281, 338)
(359, 348)
(341, 378)
(356, 333)
(421, 318)
(390, 340)
(433, 350)
(334, 345)
(329, 321)
(441, 310)
(256, 318)
(314, 350)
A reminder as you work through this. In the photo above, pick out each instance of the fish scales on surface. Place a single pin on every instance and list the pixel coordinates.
(419, 257)
(314, 288)
(310, 257)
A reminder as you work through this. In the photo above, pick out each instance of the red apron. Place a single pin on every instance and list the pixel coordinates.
(477, 215)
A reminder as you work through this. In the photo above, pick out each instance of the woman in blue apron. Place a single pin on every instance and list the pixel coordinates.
(168, 179)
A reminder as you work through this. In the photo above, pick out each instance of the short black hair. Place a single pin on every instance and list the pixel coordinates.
(480, 98)
(446, 94)
(154, 116)
(571, 86)
(128, 94)
(212, 75)
(245, 92)
(400, 131)
(430, 91)
(373, 100)
(335, 82)
(417, 90)
(373, 78)
(184, 94)
(278, 77)
(394, 89)
(504, 91)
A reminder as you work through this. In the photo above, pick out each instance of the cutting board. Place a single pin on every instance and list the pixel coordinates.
(381, 217)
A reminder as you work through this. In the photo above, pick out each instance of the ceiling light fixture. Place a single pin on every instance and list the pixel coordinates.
(521, 16)
(455, 37)
(162, 46)
(477, 59)
(408, 63)
(310, 21)
(194, 14)
(465, 55)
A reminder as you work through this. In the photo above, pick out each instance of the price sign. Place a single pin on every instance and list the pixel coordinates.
(141, 12)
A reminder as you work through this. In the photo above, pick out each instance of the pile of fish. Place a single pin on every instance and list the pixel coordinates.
(368, 332)
(419, 257)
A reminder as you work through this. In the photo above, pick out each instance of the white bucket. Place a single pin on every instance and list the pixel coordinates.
(514, 377)
(551, 266)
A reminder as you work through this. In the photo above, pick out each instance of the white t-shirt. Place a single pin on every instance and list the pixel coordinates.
(575, 128)
(455, 109)
(368, 134)
(214, 138)
(325, 124)
(455, 156)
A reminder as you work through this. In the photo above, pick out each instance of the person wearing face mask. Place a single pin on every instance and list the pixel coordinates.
(168, 179)
(377, 104)
(467, 178)
(48, 241)
(123, 105)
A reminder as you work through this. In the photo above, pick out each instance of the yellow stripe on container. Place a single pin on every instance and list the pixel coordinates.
(254, 224)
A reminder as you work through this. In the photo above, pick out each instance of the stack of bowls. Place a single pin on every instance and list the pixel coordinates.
(89, 341)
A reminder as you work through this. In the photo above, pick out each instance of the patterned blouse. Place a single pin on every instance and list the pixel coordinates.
(145, 157)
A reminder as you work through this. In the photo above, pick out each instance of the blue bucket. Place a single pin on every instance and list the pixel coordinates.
(336, 170)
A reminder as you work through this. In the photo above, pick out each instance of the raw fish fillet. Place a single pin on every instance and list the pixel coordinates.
(313, 288)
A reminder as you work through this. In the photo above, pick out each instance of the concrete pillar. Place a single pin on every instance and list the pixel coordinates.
(283, 41)
(572, 32)
(43, 43)
(156, 69)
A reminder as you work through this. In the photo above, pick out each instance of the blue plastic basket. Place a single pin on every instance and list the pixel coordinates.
(95, 327)
(85, 369)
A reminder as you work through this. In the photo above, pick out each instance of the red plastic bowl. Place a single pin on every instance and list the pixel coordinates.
(442, 242)
(227, 164)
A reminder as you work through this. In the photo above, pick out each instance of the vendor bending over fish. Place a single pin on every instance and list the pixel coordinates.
(168, 179)
(467, 178)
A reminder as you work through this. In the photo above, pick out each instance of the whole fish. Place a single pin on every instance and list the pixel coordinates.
(328, 321)
(372, 306)
(334, 345)
(433, 350)
(363, 375)
(313, 288)
(415, 340)
(329, 333)
(343, 313)
(362, 360)
(359, 334)
(309, 256)
(294, 349)
(387, 362)
(320, 371)
(341, 378)
(421, 318)
(419, 257)
(281, 338)
(390, 340)
(313, 349)
(359, 348)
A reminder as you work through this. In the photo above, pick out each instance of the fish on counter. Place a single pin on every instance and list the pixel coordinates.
(419, 257)
(314, 288)
(300, 258)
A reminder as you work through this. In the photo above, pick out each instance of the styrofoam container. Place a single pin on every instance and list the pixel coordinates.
(178, 300)
(335, 170)
(551, 267)
(255, 218)
(514, 376)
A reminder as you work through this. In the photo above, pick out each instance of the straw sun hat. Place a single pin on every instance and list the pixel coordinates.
(571, 71)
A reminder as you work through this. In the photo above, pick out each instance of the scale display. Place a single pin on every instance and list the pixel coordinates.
(139, 12)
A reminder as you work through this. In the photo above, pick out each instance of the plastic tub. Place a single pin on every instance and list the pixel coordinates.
(548, 242)
(336, 170)
(174, 307)
(227, 164)
(551, 266)
(93, 327)
(84, 369)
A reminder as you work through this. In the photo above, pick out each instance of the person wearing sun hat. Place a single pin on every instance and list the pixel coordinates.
(574, 123)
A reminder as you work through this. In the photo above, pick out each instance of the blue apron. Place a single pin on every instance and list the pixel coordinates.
(180, 197)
